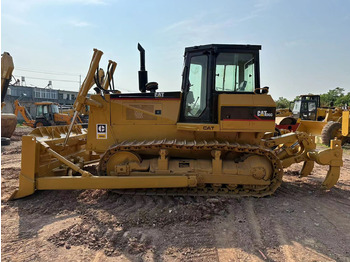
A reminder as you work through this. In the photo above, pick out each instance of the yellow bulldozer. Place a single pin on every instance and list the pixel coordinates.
(216, 136)
(8, 121)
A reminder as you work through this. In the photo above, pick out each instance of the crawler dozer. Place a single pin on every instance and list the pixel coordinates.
(216, 136)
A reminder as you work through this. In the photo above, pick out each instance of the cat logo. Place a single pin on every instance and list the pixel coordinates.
(159, 94)
(264, 113)
(208, 127)
(101, 131)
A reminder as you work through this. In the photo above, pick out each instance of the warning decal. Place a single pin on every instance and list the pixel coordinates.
(101, 131)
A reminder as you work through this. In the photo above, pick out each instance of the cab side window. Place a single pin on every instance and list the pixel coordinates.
(235, 72)
(196, 99)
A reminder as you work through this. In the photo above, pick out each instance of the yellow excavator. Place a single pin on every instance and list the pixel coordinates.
(8, 121)
(215, 137)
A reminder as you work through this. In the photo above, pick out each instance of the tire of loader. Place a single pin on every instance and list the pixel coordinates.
(5, 141)
(40, 123)
(330, 131)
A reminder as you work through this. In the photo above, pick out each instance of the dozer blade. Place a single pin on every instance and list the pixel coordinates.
(39, 156)
(28, 161)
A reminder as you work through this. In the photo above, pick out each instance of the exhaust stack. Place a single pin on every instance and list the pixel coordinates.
(143, 78)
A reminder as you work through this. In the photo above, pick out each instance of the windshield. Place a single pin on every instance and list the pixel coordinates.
(55, 109)
(296, 108)
(235, 72)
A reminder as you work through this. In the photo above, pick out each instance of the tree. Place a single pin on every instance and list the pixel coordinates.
(343, 100)
(333, 97)
(282, 102)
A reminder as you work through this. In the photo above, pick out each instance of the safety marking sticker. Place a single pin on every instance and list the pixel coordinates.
(101, 131)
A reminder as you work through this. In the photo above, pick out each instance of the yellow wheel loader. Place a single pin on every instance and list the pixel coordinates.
(308, 116)
(8, 121)
(216, 136)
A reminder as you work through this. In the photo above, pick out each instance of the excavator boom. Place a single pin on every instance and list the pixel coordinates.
(29, 121)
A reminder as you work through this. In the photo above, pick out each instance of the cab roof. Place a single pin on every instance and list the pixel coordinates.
(223, 47)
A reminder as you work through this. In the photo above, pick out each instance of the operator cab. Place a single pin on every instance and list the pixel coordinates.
(46, 111)
(214, 72)
(306, 107)
(211, 70)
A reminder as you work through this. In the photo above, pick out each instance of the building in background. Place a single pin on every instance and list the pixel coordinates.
(28, 95)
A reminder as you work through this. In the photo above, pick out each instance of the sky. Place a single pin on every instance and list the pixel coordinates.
(305, 43)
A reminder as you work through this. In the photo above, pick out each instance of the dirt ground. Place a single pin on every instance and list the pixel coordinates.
(299, 222)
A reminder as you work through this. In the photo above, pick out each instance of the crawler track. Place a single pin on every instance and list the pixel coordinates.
(209, 189)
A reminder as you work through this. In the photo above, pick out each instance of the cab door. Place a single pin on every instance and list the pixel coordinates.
(196, 96)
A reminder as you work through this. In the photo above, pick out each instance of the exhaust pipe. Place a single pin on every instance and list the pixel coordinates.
(143, 78)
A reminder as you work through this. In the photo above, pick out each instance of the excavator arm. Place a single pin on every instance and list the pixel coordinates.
(29, 121)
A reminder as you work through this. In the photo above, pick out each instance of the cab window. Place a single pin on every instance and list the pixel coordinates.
(196, 99)
(45, 109)
(296, 108)
(235, 72)
(55, 109)
(39, 110)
